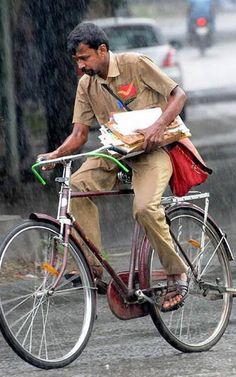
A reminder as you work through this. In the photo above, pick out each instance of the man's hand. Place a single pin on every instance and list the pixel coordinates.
(153, 136)
(48, 156)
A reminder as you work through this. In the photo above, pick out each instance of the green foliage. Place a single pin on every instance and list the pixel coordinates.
(106, 255)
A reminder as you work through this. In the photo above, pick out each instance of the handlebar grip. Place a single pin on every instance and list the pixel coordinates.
(37, 175)
(118, 150)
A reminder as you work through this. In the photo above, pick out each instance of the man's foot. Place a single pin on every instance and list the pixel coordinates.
(177, 289)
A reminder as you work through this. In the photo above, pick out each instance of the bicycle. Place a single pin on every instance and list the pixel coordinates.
(48, 288)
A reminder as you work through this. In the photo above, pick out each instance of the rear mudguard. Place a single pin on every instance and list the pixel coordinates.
(51, 220)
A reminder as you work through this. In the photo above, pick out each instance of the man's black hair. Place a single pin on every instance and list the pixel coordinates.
(86, 33)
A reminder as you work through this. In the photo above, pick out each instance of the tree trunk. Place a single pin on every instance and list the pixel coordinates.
(9, 108)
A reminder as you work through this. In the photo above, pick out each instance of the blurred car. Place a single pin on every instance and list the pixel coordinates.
(144, 36)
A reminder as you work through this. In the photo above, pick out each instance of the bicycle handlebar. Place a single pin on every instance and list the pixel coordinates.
(67, 159)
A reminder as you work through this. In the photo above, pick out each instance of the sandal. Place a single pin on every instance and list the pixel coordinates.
(175, 288)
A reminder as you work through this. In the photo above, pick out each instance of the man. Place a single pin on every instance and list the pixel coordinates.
(139, 82)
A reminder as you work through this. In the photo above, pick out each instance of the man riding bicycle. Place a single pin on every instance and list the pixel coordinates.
(137, 81)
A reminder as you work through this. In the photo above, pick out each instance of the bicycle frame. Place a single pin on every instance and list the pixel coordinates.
(66, 222)
(124, 282)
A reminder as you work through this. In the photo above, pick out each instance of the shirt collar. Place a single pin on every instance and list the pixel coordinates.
(113, 70)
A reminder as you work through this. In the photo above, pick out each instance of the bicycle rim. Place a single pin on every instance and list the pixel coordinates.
(46, 328)
(201, 322)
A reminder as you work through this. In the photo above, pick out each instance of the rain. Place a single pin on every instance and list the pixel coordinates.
(38, 81)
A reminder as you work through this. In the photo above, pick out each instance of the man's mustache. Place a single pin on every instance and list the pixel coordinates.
(89, 72)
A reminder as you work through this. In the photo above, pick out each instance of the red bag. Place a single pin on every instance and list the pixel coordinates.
(188, 167)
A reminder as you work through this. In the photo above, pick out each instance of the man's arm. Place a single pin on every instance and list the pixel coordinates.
(154, 134)
(72, 143)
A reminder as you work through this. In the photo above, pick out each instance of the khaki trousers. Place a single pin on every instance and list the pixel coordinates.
(151, 174)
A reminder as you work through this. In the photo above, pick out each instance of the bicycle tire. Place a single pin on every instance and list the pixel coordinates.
(201, 322)
(48, 329)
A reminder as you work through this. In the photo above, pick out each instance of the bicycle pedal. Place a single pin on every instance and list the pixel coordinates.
(142, 296)
(101, 287)
(74, 279)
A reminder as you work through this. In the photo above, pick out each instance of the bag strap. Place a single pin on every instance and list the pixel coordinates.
(186, 150)
(116, 97)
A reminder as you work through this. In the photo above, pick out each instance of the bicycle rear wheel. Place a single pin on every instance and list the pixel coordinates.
(200, 323)
(48, 329)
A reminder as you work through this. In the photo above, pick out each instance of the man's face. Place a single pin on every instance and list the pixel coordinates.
(90, 61)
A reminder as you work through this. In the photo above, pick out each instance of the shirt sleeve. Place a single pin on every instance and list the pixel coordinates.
(83, 112)
(154, 77)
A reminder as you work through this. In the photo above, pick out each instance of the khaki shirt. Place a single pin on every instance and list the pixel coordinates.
(132, 77)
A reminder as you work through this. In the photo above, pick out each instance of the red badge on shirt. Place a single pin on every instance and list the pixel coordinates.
(127, 91)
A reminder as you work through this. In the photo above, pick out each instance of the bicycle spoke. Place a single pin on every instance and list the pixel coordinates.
(48, 328)
(34, 313)
(202, 250)
(69, 290)
(12, 300)
(210, 259)
(43, 339)
(200, 323)
(27, 316)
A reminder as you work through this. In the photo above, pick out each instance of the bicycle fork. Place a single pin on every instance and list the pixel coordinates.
(65, 226)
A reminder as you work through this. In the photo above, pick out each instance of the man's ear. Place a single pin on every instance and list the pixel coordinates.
(102, 49)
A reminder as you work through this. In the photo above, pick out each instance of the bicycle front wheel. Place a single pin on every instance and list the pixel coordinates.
(47, 328)
(200, 323)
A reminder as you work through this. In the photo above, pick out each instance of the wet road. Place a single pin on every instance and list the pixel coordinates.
(134, 348)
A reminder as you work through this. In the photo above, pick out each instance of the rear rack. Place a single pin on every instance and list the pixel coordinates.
(193, 195)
